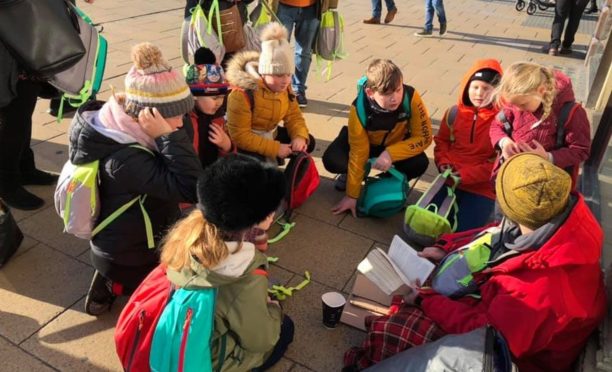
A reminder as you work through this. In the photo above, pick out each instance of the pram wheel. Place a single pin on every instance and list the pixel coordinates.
(531, 8)
(520, 5)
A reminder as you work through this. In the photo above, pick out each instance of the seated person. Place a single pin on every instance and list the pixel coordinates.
(263, 98)
(543, 289)
(391, 134)
(206, 122)
(465, 147)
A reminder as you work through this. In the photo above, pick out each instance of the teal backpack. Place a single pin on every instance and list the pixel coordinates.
(382, 196)
(361, 101)
(183, 335)
(426, 220)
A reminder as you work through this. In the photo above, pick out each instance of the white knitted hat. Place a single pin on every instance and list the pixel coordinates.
(276, 56)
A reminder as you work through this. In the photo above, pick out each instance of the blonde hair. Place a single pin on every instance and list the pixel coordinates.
(524, 78)
(193, 236)
(383, 76)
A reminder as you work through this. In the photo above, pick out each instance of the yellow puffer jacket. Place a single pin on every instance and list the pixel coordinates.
(270, 108)
(399, 145)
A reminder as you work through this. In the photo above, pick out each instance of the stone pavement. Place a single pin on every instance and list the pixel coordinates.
(42, 324)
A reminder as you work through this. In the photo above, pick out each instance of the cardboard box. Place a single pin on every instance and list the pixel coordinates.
(366, 299)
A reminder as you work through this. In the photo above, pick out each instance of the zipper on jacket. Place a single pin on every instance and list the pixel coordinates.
(183, 348)
(473, 127)
(141, 318)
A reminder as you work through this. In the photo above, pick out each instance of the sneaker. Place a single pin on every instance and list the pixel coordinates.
(565, 50)
(301, 99)
(340, 183)
(39, 177)
(372, 21)
(20, 198)
(55, 104)
(553, 52)
(100, 295)
(442, 28)
(423, 33)
(550, 50)
(390, 15)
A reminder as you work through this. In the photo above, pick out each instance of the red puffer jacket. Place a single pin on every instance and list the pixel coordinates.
(545, 302)
(471, 153)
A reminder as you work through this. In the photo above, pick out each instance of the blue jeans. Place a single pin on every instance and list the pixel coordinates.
(430, 6)
(474, 210)
(306, 26)
(377, 7)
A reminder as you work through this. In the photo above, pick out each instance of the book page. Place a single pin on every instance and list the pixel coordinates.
(379, 269)
(409, 266)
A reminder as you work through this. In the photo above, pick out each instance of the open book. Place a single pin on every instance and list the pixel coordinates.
(401, 266)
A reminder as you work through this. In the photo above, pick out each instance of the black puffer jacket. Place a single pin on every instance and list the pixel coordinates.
(167, 179)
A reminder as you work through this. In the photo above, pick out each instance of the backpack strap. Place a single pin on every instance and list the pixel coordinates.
(451, 116)
(566, 112)
(250, 96)
(501, 116)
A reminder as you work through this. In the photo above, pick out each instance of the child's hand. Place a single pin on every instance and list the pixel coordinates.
(383, 162)
(152, 123)
(298, 144)
(411, 297)
(271, 301)
(534, 147)
(284, 150)
(346, 204)
(218, 136)
(509, 148)
(432, 253)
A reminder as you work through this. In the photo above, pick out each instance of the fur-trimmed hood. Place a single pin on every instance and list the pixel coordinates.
(242, 70)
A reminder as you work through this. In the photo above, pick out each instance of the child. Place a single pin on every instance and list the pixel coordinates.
(533, 97)
(167, 176)
(465, 147)
(542, 289)
(263, 99)
(207, 83)
(390, 134)
(207, 249)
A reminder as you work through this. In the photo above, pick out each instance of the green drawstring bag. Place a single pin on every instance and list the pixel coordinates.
(329, 45)
(426, 220)
(382, 196)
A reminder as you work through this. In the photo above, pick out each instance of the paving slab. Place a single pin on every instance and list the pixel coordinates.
(37, 286)
(328, 253)
(15, 359)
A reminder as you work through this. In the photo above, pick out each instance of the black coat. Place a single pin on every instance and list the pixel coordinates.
(167, 178)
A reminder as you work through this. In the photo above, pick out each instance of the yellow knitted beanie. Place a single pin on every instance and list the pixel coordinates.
(531, 190)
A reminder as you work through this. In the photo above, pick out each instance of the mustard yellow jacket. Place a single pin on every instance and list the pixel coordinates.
(407, 139)
(270, 108)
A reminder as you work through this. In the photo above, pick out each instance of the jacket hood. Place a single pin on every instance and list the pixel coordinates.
(240, 263)
(86, 143)
(577, 242)
(242, 70)
(482, 64)
(565, 91)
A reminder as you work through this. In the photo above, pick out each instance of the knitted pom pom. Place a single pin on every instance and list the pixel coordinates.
(274, 31)
(145, 55)
(204, 56)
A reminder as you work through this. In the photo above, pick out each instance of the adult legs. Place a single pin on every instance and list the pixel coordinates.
(306, 27)
(439, 7)
(376, 8)
(575, 13)
(429, 14)
(15, 153)
(390, 5)
(562, 9)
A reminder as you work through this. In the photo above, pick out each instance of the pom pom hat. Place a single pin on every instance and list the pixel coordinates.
(205, 77)
(276, 57)
(151, 82)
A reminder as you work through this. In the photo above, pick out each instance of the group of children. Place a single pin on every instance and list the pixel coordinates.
(194, 125)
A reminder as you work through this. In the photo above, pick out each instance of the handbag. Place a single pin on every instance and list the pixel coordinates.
(10, 234)
(382, 196)
(42, 35)
(231, 30)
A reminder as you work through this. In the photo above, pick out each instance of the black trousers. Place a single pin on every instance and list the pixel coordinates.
(16, 156)
(570, 10)
(286, 337)
(336, 158)
(282, 136)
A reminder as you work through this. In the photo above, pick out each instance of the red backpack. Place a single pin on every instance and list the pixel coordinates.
(137, 322)
(302, 179)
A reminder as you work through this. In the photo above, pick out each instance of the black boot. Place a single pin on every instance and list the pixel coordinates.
(592, 10)
(100, 296)
(39, 177)
(54, 106)
(20, 198)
